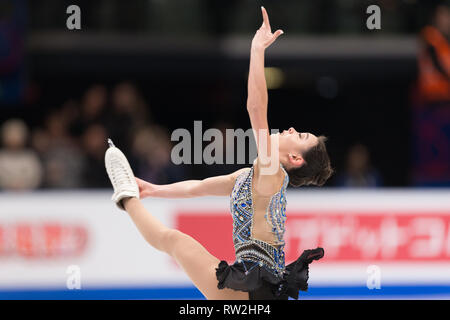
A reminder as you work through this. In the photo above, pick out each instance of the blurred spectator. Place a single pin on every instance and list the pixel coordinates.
(359, 172)
(128, 113)
(70, 113)
(62, 159)
(19, 166)
(152, 156)
(13, 27)
(434, 57)
(431, 103)
(94, 144)
(92, 109)
(72, 143)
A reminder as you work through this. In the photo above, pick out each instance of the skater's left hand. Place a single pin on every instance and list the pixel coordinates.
(264, 36)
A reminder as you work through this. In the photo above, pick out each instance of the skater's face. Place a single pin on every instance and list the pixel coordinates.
(293, 144)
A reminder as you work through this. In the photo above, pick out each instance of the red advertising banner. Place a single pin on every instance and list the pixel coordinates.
(346, 237)
(42, 240)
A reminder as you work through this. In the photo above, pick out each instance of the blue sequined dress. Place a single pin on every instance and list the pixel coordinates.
(260, 267)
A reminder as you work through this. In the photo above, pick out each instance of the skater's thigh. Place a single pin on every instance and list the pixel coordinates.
(200, 266)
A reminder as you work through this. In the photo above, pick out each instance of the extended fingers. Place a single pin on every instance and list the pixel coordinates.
(278, 33)
(265, 17)
(275, 36)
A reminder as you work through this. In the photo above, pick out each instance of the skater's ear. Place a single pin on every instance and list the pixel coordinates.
(296, 160)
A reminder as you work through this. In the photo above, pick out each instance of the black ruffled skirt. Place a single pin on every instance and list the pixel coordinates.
(261, 284)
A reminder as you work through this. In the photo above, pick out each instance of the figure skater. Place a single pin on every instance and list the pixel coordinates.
(258, 203)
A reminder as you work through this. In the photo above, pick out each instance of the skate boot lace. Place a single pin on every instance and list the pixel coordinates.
(120, 174)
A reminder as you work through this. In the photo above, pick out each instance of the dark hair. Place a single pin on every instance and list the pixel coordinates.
(317, 168)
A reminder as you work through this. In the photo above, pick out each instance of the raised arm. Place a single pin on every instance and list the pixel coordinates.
(213, 186)
(267, 168)
(257, 99)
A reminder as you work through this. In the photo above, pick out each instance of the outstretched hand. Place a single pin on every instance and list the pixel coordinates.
(145, 188)
(264, 36)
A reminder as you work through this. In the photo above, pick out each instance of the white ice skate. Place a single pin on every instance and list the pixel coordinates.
(121, 175)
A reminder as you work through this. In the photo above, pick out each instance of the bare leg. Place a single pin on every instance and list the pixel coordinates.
(195, 260)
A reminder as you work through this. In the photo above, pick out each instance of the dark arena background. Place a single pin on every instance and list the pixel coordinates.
(138, 70)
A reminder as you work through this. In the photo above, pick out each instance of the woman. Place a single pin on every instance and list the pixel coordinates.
(258, 203)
